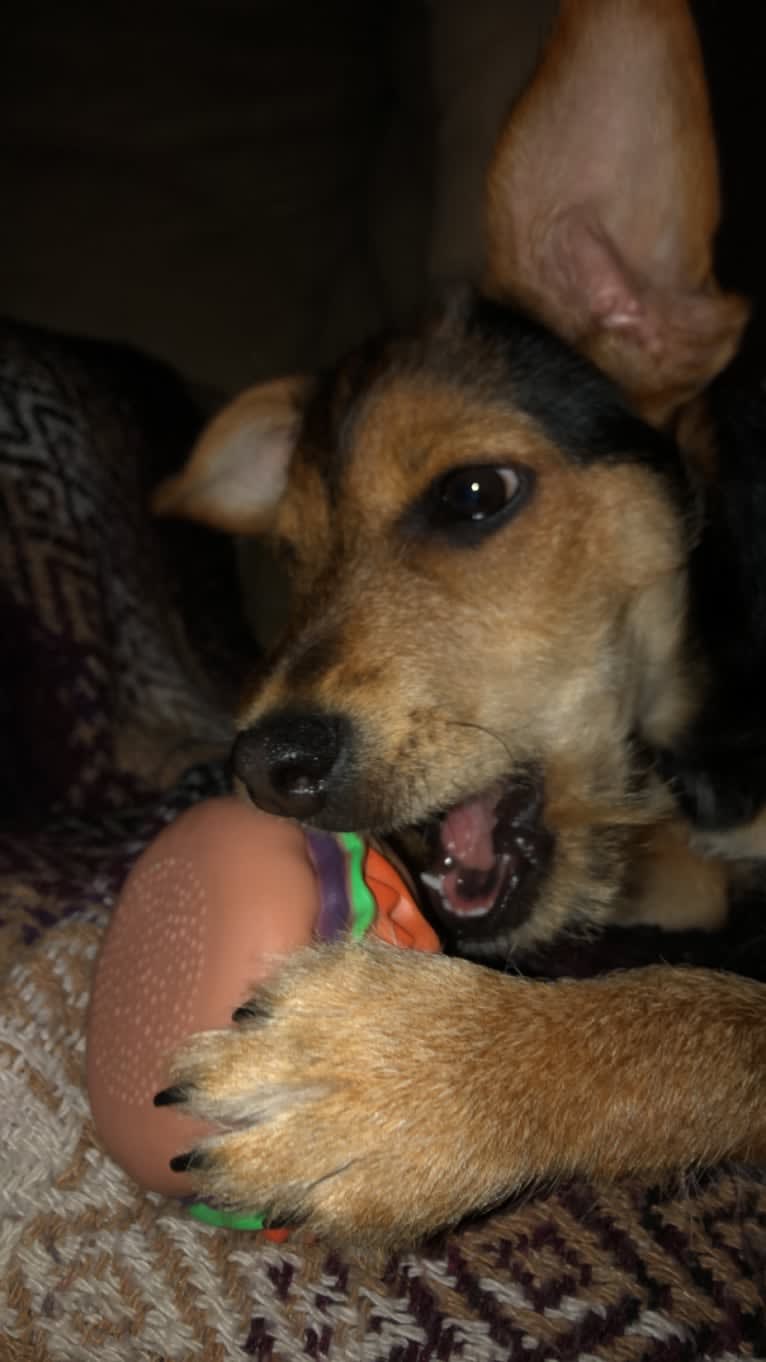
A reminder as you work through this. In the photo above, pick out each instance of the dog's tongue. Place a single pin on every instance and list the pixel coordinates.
(470, 868)
(470, 871)
(466, 832)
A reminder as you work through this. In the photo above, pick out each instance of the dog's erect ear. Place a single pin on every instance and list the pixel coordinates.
(603, 201)
(237, 471)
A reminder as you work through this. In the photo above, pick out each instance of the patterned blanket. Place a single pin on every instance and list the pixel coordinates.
(109, 726)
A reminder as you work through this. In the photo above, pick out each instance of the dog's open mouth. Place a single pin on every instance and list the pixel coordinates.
(479, 865)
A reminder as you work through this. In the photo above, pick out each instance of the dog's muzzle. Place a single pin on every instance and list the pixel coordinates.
(287, 761)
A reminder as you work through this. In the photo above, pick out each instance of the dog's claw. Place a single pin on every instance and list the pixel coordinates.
(181, 1162)
(253, 1010)
(171, 1097)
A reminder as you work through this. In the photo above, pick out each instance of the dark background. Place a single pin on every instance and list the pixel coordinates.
(244, 187)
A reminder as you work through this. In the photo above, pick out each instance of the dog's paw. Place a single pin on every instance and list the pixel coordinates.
(716, 788)
(343, 1098)
(382, 1094)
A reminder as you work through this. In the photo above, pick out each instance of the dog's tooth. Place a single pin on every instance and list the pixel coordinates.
(526, 845)
(436, 885)
(433, 882)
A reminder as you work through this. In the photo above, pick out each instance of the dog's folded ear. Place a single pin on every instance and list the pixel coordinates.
(603, 201)
(237, 471)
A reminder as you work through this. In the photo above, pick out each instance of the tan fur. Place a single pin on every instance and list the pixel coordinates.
(677, 888)
(474, 1085)
(385, 1094)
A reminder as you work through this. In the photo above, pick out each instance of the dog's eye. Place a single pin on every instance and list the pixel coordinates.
(477, 494)
(468, 504)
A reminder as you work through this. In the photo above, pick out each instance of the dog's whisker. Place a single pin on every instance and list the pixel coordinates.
(482, 728)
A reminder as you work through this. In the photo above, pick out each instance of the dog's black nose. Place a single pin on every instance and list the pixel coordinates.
(286, 761)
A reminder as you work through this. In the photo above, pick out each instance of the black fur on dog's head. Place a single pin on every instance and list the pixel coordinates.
(488, 521)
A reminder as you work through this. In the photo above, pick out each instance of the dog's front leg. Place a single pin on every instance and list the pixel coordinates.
(383, 1094)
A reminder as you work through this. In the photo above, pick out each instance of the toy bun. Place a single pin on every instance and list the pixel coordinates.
(211, 907)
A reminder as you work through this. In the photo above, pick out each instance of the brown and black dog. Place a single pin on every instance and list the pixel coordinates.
(497, 530)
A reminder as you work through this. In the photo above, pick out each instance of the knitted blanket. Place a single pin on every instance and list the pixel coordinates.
(108, 728)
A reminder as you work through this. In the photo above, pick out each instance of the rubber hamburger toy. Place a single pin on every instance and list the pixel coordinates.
(212, 906)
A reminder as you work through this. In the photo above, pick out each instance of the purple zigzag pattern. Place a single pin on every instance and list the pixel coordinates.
(75, 863)
(82, 583)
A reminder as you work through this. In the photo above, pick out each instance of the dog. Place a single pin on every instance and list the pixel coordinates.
(524, 647)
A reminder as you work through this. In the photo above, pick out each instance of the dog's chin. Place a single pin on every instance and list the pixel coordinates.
(479, 866)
